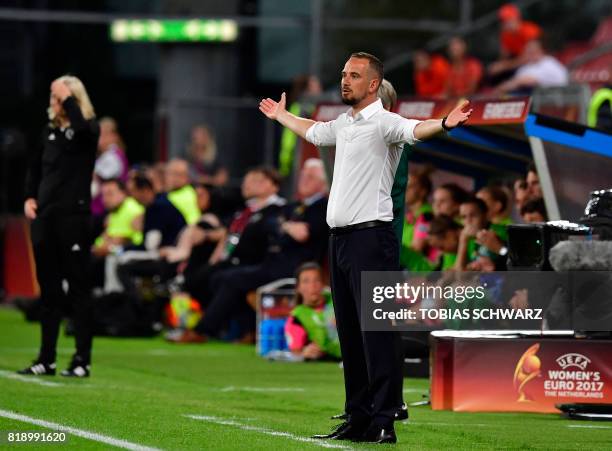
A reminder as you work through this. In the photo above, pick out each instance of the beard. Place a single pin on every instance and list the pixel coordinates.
(349, 100)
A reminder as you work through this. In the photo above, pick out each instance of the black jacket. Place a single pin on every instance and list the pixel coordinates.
(289, 251)
(59, 174)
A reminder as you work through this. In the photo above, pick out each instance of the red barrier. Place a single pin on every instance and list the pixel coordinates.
(519, 374)
(19, 269)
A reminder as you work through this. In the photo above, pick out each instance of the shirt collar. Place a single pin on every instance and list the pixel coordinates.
(312, 199)
(370, 110)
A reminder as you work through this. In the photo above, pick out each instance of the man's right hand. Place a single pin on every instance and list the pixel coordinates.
(30, 207)
(273, 109)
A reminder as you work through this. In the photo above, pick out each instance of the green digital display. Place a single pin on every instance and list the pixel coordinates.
(194, 30)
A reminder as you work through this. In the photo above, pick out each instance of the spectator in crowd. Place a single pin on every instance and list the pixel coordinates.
(305, 91)
(119, 227)
(311, 328)
(479, 236)
(245, 241)
(299, 236)
(520, 195)
(447, 198)
(162, 224)
(180, 192)
(157, 175)
(515, 34)
(111, 163)
(465, 71)
(534, 210)
(202, 151)
(419, 214)
(430, 74)
(473, 215)
(200, 238)
(534, 190)
(444, 234)
(538, 70)
(496, 200)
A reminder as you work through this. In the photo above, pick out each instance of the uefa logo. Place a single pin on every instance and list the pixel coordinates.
(573, 360)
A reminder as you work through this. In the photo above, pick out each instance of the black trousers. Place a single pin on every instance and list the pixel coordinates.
(372, 360)
(229, 288)
(62, 252)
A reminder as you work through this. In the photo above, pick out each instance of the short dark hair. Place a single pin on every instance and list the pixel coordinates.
(480, 204)
(498, 194)
(531, 167)
(441, 224)
(375, 64)
(423, 180)
(269, 172)
(308, 266)
(535, 206)
(141, 181)
(116, 181)
(458, 194)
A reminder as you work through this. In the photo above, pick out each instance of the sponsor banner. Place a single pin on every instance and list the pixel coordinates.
(512, 110)
(518, 374)
(505, 300)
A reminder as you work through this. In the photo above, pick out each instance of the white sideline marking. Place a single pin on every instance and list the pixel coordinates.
(246, 427)
(415, 390)
(418, 423)
(74, 431)
(587, 426)
(262, 389)
(29, 379)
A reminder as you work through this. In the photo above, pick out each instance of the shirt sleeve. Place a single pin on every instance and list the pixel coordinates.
(322, 133)
(399, 130)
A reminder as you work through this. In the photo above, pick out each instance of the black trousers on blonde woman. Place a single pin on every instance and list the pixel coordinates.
(61, 246)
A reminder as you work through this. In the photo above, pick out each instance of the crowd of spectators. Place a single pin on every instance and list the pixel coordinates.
(461, 230)
(523, 64)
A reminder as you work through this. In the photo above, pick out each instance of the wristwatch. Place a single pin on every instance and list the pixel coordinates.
(444, 126)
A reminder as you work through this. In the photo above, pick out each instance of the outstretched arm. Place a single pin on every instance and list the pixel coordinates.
(431, 127)
(277, 111)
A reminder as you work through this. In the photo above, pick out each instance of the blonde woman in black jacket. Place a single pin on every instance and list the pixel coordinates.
(57, 202)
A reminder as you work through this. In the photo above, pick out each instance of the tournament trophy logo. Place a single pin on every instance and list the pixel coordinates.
(527, 369)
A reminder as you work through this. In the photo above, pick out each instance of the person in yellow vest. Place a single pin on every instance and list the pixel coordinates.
(600, 109)
(180, 192)
(120, 222)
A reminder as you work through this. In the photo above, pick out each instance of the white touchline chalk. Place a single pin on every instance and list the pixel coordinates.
(588, 426)
(246, 427)
(262, 389)
(29, 379)
(74, 431)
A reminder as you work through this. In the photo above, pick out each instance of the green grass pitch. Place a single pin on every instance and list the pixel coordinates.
(143, 391)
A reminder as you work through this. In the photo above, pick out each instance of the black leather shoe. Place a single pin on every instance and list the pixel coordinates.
(344, 431)
(401, 414)
(378, 434)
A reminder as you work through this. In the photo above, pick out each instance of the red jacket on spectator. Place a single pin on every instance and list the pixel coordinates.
(432, 80)
(513, 42)
(464, 77)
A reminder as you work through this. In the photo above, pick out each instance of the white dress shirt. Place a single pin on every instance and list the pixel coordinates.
(368, 150)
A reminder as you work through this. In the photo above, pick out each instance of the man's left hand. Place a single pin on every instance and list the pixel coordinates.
(459, 115)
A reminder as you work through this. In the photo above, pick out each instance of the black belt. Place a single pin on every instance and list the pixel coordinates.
(360, 226)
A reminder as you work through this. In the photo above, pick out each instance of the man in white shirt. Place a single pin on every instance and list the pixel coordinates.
(538, 69)
(369, 142)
